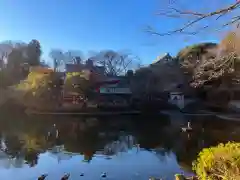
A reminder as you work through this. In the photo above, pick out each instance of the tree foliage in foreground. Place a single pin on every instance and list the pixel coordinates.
(220, 162)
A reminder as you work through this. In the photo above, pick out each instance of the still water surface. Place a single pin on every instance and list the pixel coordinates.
(136, 147)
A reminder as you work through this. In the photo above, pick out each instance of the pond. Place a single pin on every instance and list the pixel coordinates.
(118, 148)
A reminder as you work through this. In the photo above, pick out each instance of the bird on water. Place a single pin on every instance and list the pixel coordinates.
(42, 177)
(65, 177)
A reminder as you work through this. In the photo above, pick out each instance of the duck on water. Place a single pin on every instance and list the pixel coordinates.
(188, 128)
(53, 132)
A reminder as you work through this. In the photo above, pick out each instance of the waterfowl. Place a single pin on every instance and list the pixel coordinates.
(65, 177)
(53, 133)
(152, 178)
(42, 177)
(188, 128)
(103, 175)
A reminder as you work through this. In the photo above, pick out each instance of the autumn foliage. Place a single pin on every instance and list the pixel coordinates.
(220, 162)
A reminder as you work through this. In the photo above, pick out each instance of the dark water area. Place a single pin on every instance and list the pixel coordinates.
(123, 147)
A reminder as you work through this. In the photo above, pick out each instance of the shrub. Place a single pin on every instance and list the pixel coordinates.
(37, 89)
(33, 81)
(220, 162)
(81, 81)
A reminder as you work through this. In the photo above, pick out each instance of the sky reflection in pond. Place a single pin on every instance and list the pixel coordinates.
(122, 148)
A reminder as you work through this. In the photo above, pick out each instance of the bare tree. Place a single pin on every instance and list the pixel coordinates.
(61, 57)
(196, 20)
(74, 56)
(115, 63)
(7, 47)
(58, 58)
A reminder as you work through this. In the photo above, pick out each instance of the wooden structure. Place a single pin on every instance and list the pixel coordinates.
(89, 83)
(177, 98)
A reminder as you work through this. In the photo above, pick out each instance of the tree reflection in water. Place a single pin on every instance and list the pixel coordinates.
(82, 137)
(31, 158)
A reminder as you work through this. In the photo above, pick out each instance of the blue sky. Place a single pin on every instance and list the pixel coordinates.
(88, 25)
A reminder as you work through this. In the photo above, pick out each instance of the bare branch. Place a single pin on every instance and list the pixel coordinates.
(115, 63)
(233, 21)
(179, 12)
(176, 13)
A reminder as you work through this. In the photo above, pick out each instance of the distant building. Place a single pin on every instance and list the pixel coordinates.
(107, 87)
(115, 85)
(106, 84)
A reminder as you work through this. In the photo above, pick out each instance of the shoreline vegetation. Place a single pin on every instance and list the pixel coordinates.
(33, 89)
(206, 71)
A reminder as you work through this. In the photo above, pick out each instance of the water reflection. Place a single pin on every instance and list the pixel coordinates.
(124, 147)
